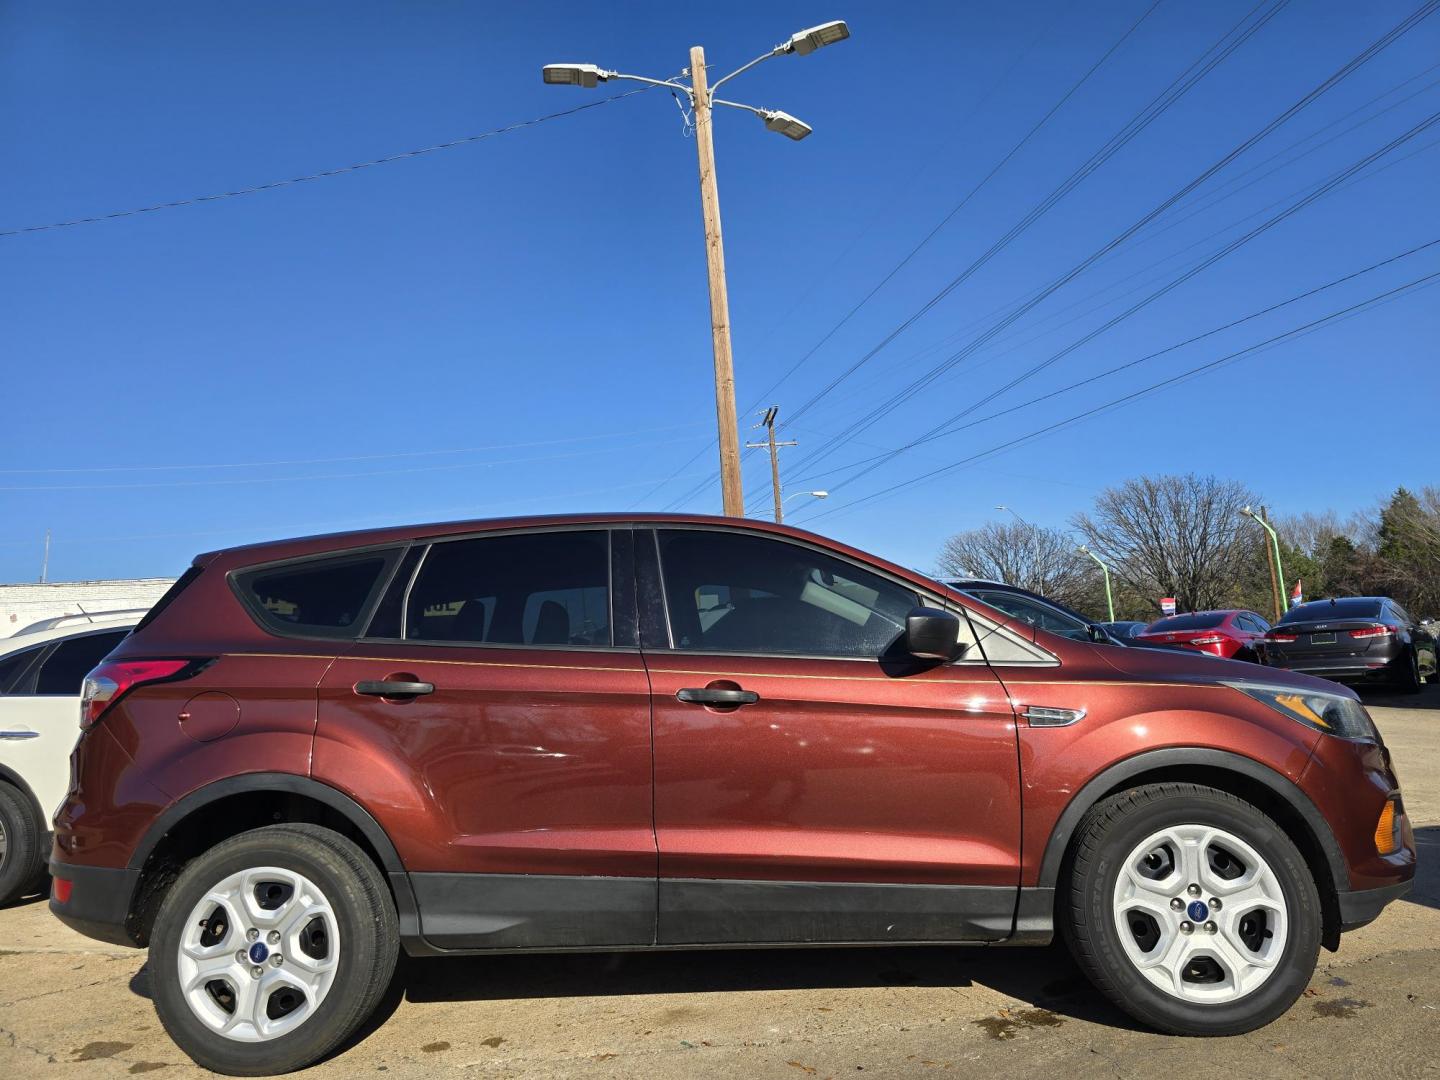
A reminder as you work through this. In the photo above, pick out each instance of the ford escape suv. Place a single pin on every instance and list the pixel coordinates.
(611, 733)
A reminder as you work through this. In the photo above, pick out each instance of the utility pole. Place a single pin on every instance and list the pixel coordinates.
(701, 95)
(1277, 580)
(1274, 582)
(45, 564)
(732, 497)
(769, 424)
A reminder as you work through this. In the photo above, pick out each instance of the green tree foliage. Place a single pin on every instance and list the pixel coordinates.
(1184, 536)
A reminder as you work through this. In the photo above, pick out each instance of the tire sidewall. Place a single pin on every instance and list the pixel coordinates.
(23, 862)
(359, 941)
(1297, 961)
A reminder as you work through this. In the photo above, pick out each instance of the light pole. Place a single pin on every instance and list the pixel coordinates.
(1109, 600)
(702, 98)
(798, 494)
(1283, 603)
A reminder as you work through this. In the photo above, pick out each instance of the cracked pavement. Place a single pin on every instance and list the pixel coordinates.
(71, 1008)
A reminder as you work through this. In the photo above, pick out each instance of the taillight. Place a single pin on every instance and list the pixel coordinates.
(1273, 636)
(1213, 639)
(113, 679)
(1373, 631)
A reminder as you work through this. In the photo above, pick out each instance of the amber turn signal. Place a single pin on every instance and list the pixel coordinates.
(1385, 829)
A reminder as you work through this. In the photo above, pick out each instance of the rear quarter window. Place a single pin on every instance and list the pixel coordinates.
(322, 598)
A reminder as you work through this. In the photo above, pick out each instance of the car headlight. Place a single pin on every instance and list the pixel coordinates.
(1333, 714)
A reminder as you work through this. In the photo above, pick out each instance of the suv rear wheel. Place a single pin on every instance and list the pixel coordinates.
(271, 949)
(1191, 910)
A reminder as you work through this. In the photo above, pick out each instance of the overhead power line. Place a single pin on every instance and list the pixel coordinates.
(1129, 364)
(1169, 286)
(1223, 47)
(1426, 281)
(327, 476)
(278, 462)
(915, 386)
(325, 174)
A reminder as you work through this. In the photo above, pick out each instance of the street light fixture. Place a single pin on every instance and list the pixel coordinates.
(1109, 600)
(815, 494)
(817, 37)
(1283, 601)
(702, 97)
(586, 75)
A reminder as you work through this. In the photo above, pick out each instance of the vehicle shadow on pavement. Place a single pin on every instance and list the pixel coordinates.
(1043, 978)
(1427, 873)
(1428, 698)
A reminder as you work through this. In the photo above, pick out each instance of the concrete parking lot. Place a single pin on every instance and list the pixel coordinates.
(71, 1007)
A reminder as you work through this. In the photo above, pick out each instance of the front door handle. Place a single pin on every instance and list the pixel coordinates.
(19, 734)
(393, 688)
(706, 695)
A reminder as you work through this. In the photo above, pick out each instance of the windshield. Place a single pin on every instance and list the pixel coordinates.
(1034, 612)
(1351, 608)
(1202, 620)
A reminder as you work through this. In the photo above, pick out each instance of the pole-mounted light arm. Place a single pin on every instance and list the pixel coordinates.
(1109, 599)
(782, 122)
(801, 44)
(1275, 541)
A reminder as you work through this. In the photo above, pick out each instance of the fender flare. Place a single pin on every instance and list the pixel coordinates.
(1278, 784)
(279, 783)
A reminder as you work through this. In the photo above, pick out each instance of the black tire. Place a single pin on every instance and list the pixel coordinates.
(22, 867)
(1410, 680)
(1108, 833)
(369, 944)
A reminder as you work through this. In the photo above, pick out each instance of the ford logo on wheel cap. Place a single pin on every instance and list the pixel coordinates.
(1197, 912)
(258, 952)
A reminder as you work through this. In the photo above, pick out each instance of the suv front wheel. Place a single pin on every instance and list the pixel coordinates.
(271, 949)
(1191, 910)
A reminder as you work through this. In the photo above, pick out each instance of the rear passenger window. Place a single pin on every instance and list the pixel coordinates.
(66, 668)
(317, 597)
(15, 665)
(525, 589)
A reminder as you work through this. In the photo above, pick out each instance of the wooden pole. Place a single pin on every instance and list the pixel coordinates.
(1274, 578)
(733, 498)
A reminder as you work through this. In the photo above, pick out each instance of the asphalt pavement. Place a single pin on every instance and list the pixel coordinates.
(70, 1007)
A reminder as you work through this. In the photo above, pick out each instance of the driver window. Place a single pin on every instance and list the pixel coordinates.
(747, 594)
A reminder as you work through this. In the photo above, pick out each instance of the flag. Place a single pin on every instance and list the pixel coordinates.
(1167, 605)
(1296, 595)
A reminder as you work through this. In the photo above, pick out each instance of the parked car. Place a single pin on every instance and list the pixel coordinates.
(1231, 635)
(1125, 630)
(635, 732)
(40, 676)
(1034, 609)
(1354, 639)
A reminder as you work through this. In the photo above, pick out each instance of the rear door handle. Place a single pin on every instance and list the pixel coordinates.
(706, 696)
(19, 734)
(393, 688)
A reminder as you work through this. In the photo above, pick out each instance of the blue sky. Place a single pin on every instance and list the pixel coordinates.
(520, 324)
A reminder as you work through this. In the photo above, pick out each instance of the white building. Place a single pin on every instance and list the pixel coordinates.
(21, 605)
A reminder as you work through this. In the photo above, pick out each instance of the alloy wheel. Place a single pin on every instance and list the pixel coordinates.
(1200, 914)
(258, 954)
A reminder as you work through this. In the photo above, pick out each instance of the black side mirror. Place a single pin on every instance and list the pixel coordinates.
(932, 634)
(1098, 633)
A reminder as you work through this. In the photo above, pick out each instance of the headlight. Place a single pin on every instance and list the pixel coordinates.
(1333, 714)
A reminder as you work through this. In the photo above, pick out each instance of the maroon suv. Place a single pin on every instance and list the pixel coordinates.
(645, 732)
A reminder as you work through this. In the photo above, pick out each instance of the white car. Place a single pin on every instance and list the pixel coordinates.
(41, 669)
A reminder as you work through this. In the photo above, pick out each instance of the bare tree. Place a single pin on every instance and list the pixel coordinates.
(1180, 536)
(1035, 558)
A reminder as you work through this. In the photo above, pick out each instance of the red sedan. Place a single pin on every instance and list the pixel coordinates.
(1228, 634)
